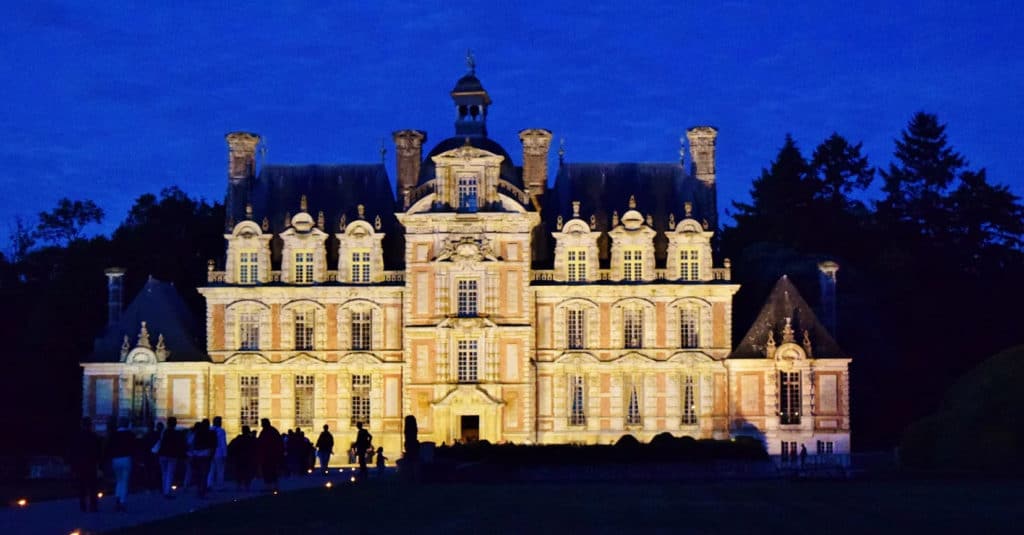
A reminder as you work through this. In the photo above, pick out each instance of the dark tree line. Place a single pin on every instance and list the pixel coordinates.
(930, 274)
(54, 291)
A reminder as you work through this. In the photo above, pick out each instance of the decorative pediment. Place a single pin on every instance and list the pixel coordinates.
(634, 359)
(303, 359)
(471, 322)
(360, 359)
(577, 359)
(691, 358)
(140, 355)
(467, 249)
(246, 359)
(467, 395)
(466, 152)
(790, 351)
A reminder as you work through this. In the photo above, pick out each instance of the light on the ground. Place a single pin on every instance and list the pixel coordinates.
(174, 487)
(353, 479)
(275, 493)
(76, 532)
(22, 502)
(329, 484)
(99, 494)
(309, 471)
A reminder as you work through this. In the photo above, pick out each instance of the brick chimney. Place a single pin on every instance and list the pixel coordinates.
(536, 142)
(115, 292)
(409, 154)
(241, 155)
(702, 152)
(827, 277)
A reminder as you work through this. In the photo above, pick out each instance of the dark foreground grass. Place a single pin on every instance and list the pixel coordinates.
(914, 507)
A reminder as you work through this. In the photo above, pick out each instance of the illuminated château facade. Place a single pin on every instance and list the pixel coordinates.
(479, 299)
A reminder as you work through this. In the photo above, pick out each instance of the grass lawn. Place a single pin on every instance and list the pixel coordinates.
(916, 507)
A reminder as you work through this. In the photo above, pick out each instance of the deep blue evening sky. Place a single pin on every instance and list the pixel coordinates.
(109, 102)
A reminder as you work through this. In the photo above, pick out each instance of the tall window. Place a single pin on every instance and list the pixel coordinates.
(633, 406)
(577, 265)
(304, 267)
(304, 385)
(689, 265)
(360, 266)
(467, 297)
(467, 193)
(361, 324)
(574, 328)
(248, 267)
(689, 334)
(825, 447)
(249, 396)
(142, 401)
(789, 397)
(304, 329)
(467, 361)
(788, 449)
(249, 330)
(360, 399)
(689, 400)
(632, 264)
(633, 328)
(577, 409)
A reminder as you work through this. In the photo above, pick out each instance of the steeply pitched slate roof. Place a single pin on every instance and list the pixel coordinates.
(602, 188)
(333, 189)
(783, 302)
(160, 305)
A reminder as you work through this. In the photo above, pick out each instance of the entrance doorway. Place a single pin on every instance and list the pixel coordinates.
(470, 428)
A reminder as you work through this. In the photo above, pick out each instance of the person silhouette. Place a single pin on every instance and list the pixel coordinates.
(363, 442)
(85, 462)
(324, 448)
(380, 461)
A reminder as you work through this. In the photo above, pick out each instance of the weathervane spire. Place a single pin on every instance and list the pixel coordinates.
(470, 61)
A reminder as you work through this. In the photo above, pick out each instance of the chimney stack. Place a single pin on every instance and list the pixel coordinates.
(241, 155)
(115, 290)
(702, 152)
(409, 154)
(536, 142)
(827, 277)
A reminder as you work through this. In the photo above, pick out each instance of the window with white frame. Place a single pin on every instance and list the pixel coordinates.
(249, 400)
(574, 331)
(248, 267)
(362, 323)
(467, 187)
(304, 389)
(467, 297)
(360, 400)
(633, 327)
(689, 264)
(577, 264)
(825, 447)
(632, 264)
(360, 265)
(249, 330)
(689, 400)
(788, 449)
(467, 361)
(303, 267)
(304, 329)
(577, 409)
(789, 397)
(689, 327)
(633, 405)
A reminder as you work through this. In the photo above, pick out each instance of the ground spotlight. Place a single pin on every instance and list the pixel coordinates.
(22, 502)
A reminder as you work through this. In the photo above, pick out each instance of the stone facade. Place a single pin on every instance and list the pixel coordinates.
(495, 317)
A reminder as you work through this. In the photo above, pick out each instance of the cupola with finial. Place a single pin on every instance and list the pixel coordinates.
(471, 102)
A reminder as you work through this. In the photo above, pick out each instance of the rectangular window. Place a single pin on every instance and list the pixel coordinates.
(467, 193)
(303, 267)
(689, 265)
(825, 447)
(467, 361)
(633, 328)
(577, 264)
(574, 328)
(362, 323)
(688, 328)
(467, 297)
(689, 400)
(360, 399)
(142, 401)
(304, 385)
(304, 329)
(632, 265)
(633, 405)
(788, 449)
(249, 398)
(249, 330)
(248, 267)
(360, 266)
(789, 397)
(578, 410)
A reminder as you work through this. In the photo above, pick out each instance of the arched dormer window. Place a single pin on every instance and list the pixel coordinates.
(632, 249)
(248, 255)
(688, 257)
(360, 255)
(576, 252)
(303, 257)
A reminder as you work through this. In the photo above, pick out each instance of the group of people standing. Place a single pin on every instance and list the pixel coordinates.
(203, 454)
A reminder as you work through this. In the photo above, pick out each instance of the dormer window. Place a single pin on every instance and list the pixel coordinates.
(632, 265)
(248, 267)
(689, 264)
(360, 265)
(303, 267)
(467, 190)
(577, 264)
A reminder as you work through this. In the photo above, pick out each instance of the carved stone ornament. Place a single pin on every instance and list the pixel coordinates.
(467, 249)
(593, 222)
(144, 337)
(672, 221)
(342, 223)
(266, 224)
(248, 211)
(770, 345)
(161, 348)
(377, 222)
(210, 265)
(807, 343)
(558, 223)
(125, 347)
(787, 332)
(688, 209)
(303, 203)
(615, 218)
(575, 208)
(632, 202)
(361, 211)
(650, 220)
(320, 220)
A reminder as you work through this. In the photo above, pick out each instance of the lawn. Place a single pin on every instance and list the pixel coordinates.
(729, 507)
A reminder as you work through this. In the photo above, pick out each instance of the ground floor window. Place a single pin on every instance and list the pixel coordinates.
(825, 447)
(577, 413)
(360, 400)
(689, 401)
(304, 385)
(788, 449)
(249, 396)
